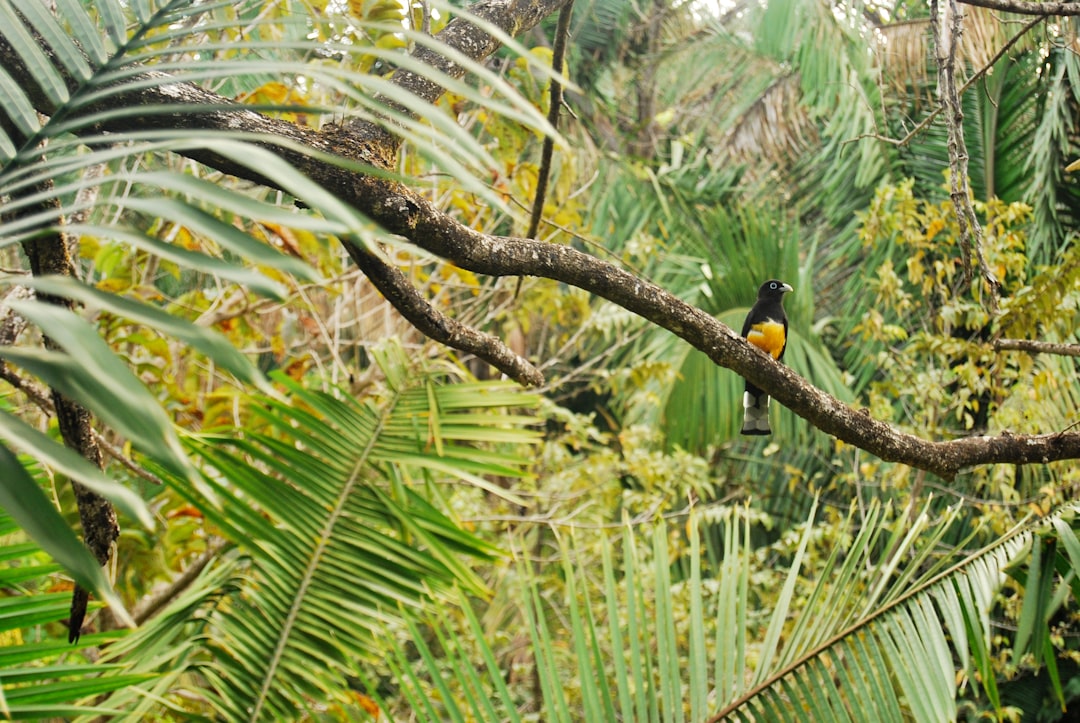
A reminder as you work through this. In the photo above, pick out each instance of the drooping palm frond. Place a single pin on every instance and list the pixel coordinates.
(1053, 196)
(61, 173)
(43, 676)
(890, 629)
(319, 494)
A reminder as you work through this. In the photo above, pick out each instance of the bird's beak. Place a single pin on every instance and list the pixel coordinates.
(787, 288)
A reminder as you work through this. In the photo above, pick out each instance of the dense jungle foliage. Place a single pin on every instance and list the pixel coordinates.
(325, 515)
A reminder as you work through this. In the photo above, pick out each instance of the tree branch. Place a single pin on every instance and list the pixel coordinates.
(925, 122)
(1027, 8)
(948, 23)
(1037, 347)
(557, 54)
(49, 254)
(148, 607)
(393, 285)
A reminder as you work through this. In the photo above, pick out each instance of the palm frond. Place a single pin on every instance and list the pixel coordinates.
(889, 628)
(169, 649)
(337, 540)
(44, 676)
(61, 174)
(1055, 201)
(848, 643)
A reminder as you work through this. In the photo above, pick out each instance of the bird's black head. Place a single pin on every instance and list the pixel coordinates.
(773, 289)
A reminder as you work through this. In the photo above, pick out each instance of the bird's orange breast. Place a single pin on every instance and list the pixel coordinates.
(768, 336)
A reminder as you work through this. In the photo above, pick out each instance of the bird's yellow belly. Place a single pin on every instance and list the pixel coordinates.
(767, 336)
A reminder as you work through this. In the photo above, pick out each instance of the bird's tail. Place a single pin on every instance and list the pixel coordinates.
(755, 411)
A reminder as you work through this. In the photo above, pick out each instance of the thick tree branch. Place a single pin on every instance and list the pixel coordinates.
(1027, 8)
(402, 211)
(392, 284)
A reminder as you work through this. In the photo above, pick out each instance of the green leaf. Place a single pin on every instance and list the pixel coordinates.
(340, 544)
(233, 271)
(66, 461)
(19, 110)
(58, 40)
(50, 81)
(83, 30)
(23, 499)
(93, 375)
(208, 341)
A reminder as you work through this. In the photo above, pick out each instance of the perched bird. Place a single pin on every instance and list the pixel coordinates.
(766, 328)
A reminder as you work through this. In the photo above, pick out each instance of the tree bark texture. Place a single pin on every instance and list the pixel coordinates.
(50, 254)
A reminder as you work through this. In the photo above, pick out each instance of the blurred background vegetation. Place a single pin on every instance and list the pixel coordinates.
(383, 530)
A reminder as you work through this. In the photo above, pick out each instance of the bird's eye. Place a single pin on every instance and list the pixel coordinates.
(772, 285)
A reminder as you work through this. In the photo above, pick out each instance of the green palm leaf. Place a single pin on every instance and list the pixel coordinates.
(885, 633)
(47, 677)
(56, 163)
(316, 493)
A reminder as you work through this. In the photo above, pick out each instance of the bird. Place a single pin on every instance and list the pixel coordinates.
(766, 328)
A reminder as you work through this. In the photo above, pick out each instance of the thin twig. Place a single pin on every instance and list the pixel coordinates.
(558, 53)
(39, 395)
(1037, 347)
(147, 607)
(118, 454)
(925, 122)
(562, 30)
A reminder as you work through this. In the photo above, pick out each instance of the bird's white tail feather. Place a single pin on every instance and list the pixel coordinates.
(756, 414)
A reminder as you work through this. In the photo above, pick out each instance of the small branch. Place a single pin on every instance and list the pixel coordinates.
(118, 454)
(925, 122)
(1037, 347)
(1027, 8)
(558, 53)
(149, 606)
(36, 393)
(562, 31)
(948, 25)
(393, 285)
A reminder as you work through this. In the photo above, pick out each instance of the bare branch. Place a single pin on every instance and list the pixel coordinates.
(1027, 8)
(1037, 347)
(393, 285)
(948, 24)
(925, 122)
(559, 51)
(150, 606)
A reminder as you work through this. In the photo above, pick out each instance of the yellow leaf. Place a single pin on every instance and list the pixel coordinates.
(272, 93)
(113, 285)
(187, 240)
